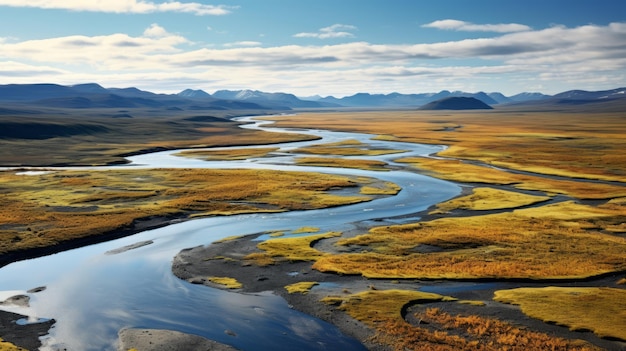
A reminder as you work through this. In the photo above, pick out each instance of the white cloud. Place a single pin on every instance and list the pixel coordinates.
(15, 70)
(451, 24)
(243, 44)
(123, 6)
(334, 31)
(552, 57)
(155, 31)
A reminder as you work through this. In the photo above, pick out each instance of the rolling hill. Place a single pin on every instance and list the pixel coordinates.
(456, 103)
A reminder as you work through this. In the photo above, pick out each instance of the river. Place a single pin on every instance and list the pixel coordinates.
(92, 294)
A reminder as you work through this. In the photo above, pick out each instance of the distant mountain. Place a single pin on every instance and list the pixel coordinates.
(582, 95)
(194, 94)
(30, 92)
(402, 100)
(277, 100)
(93, 95)
(605, 100)
(528, 97)
(499, 98)
(456, 103)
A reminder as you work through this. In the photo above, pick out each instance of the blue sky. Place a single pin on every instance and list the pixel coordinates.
(325, 47)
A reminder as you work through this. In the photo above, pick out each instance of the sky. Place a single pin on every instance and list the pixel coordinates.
(317, 47)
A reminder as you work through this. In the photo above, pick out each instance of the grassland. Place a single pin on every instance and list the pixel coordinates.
(549, 242)
(95, 138)
(577, 145)
(485, 199)
(508, 153)
(516, 236)
(46, 209)
(345, 148)
(371, 165)
(601, 310)
(437, 330)
(227, 155)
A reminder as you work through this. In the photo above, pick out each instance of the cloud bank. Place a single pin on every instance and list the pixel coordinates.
(590, 55)
(451, 24)
(334, 31)
(123, 6)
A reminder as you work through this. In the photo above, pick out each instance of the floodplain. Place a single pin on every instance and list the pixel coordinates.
(542, 218)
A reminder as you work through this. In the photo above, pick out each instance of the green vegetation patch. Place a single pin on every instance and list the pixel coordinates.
(601, 310)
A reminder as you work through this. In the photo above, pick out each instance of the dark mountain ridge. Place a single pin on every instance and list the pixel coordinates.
(457, 103)
(92, 95)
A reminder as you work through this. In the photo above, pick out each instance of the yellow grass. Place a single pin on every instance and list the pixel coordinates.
(7, 346)
(381, 310)
(547, 242)
(345, 148)
(227, 155)
(581, 145)
(458, 171)
(46, 209)
(382, 188)
(228, 238)
(601, 310)
(372, 306)
(289, 248)
(483, 199)
(371, 165)
(227, 282)
(301, 287)
(306, 230)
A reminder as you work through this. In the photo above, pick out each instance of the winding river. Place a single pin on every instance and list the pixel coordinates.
(92, 293)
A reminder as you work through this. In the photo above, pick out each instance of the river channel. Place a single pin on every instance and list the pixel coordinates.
(92, 293)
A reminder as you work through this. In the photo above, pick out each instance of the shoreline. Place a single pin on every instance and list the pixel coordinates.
(138, 225)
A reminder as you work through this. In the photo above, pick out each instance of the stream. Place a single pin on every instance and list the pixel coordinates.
(94, 291)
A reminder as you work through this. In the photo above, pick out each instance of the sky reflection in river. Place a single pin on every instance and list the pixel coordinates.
(93, 295)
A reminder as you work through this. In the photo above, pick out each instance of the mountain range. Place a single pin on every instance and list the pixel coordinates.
(95, 96)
